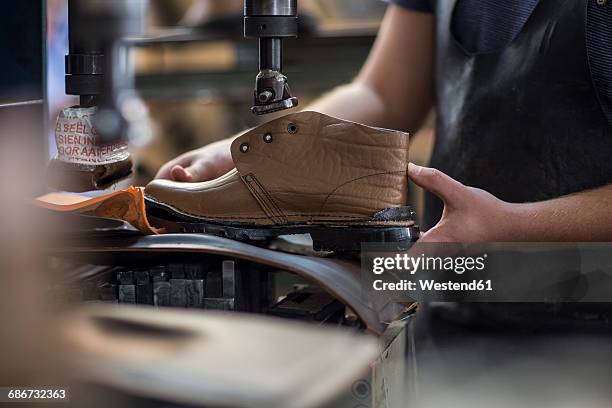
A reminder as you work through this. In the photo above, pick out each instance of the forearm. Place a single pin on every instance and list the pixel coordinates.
(585, 216)
(395, 86)
(354, 102)
(474, 215)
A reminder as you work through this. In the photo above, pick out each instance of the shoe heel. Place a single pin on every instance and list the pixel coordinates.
(351, 238)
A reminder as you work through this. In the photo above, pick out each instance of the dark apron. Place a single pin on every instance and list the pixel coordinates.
(523, 123)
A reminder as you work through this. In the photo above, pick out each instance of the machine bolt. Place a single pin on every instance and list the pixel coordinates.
(265, 96)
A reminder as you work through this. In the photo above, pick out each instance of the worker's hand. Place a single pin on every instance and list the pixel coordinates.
(206, 163)
(470, 214)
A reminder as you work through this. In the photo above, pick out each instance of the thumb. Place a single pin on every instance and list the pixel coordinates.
(446, 188)
(180, 173)
(199, 170)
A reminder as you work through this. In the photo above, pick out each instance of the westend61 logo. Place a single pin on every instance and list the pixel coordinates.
(412, 264)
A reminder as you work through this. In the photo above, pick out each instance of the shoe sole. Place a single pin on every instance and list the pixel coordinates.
(392, 225)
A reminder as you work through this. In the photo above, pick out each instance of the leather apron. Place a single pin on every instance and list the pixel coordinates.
(524, 122)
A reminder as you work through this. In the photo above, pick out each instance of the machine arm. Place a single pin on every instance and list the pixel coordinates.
(271, 21)
(97, 67)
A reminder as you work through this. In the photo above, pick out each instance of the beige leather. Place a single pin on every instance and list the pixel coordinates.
(302, 168)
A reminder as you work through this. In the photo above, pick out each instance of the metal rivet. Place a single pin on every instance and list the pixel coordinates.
(249, 178)
(244, 147)
(601, 3)
(292, 128)
(268, 138)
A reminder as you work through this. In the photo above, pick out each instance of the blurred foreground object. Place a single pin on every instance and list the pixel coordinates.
(83, 163)
(204, 11)
(214, 359)
(92, 137)
(27, 343)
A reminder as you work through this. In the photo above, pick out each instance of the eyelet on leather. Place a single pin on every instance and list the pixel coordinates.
(244, 148)
(268, 138)
(292, 128)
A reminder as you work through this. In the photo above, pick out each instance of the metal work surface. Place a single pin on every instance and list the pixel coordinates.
(340, 277)
(206, 360)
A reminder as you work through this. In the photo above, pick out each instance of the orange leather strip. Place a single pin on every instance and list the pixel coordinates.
(127, 205)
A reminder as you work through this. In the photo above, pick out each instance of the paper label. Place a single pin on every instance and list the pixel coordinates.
(77, 140)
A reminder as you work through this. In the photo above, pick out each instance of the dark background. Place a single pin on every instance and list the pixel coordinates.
(21, 78)
(22, 92)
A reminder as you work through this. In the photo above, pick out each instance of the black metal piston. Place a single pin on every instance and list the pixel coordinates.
(271, 21)
(95, 68)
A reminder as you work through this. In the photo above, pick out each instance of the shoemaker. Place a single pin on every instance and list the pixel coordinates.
(522, 92)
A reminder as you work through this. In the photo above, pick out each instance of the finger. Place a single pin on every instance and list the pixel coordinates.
(165, 172)
(179, 173)
(446, 188)
(436, 235)
(200, 170)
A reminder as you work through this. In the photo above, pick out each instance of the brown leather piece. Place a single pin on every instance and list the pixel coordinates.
(305, 167)
(127, 205)
(224, 198)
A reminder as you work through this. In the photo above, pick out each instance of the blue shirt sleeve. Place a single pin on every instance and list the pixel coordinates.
(416, 5)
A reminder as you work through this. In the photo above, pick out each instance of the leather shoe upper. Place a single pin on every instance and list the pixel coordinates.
(303, 167)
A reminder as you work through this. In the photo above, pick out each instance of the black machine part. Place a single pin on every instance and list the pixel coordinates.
(97, 66)
(271, 21)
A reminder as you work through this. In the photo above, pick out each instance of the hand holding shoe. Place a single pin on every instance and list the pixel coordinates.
(206, 163)
(470, 214)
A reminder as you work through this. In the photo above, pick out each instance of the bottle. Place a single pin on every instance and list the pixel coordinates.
(83, 163)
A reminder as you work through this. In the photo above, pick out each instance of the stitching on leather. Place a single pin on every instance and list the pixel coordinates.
(274, 209)
(266, 207)
(212, 217)
(288, 216)
(292, 215)
(354, 180)
(265, 200)
(262, 203)
(279, 211)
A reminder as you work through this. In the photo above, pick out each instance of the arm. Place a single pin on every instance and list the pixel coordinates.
(394, 90)
(584, 216)
(473, 215)
(395, 86)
